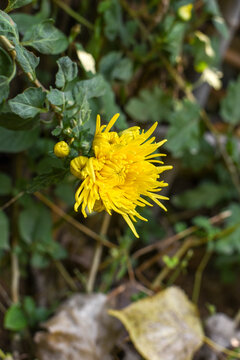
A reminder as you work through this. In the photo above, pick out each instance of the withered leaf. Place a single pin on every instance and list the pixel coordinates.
(165, 326)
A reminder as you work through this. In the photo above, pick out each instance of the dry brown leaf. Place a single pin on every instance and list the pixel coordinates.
(81, 329)
(163, 327)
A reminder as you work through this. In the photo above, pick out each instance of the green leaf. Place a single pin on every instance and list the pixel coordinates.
(29, 103)
(91, 88)
(12, 121)
(151, 105)
(174, 40)
(15, 318)
(206, 195)
(15, 4)
(27, 60)
(110, 107)
(15, 141)
(6, 63)
(56, 97)
(230, 106)
(4, 229)
(7, 26)
(7, 70)
(113, 19)
(46, 38)
(25, 21)
(184, 131)
(4, 88)
(5, 184)
(114, 67)
(221, 26)
(35, 223)
(67, 71)
(64, 192)
(229, 244)
(44, 180)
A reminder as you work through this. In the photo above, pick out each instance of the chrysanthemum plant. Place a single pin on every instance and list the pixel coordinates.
(117, 171)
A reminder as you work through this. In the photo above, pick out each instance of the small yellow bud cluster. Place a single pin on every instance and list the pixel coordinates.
(61, 149)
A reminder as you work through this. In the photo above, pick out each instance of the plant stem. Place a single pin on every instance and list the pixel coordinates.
(12, 200)
(198, 276)
(97, 255)
(74, 14)
(67, 277)
(164, 243)
(219, 348)
(73, 222)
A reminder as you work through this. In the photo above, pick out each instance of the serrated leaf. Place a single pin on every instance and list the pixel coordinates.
(184, 131)
(15, 4)
(15, 319)
(151, 105)
(206, 195)
(4, 230)
(27, 60)
(29, 103)
(7, 26)
(44, 180)
(165, 326)
(230, 106)
(46, 38)
(15, 141)
(67, 71)
(5, 184)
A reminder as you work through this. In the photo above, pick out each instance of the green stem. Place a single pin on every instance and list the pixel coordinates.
(74, 14)
(198, 276)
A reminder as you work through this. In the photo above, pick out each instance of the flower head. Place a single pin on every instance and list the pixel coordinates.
(123, 172)
(61, 149)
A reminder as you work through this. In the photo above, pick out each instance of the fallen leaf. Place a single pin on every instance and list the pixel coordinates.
(165, 326)
(81, 329)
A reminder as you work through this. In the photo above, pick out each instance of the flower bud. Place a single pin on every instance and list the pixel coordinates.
(61, 149)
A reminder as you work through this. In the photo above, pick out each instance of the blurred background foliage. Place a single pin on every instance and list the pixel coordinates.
(62, 63)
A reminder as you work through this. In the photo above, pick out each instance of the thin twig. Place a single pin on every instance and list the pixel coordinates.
(219, 348)
(190, 243)
(73, 222)
(67, 277)
(15, 277)
(97, 255)
(164, 243)
(74, 14)
(5, 295)
(11, 201)
(198, 276)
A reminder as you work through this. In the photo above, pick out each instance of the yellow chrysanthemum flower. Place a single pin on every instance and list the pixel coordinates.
(121, 174)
